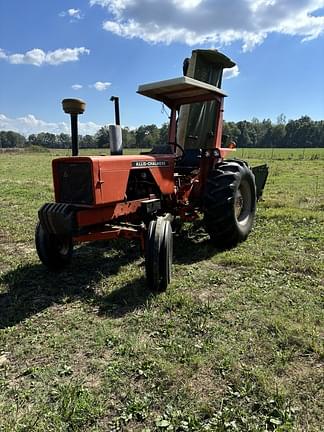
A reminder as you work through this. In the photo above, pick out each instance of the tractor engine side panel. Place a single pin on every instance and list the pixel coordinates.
(116, 172)
(113, 182)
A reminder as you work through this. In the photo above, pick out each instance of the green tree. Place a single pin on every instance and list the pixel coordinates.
(46, 139)
(63, 140)
(278, 134)
(11, 139)
(244, 139)
(102, 137)
(147, 136)
(164, 134)
(129, 138)
(32, 139)
(87, 141)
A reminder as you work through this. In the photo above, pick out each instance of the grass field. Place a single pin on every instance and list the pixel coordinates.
(233, 345)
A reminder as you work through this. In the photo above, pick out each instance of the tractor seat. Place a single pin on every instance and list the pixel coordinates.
(189, 162)
(185, 164)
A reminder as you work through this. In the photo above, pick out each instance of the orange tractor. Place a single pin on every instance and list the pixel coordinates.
(143, 196)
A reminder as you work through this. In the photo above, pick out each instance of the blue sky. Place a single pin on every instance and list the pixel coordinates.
(93, 49)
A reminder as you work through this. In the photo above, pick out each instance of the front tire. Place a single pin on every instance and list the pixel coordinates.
(159, 252)
(230, 203)
(55, 252)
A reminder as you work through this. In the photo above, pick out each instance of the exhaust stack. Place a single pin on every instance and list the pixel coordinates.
(74, 107)
(115, 131)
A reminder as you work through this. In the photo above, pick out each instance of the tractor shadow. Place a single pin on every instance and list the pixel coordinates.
(193, 245)
(32, 288)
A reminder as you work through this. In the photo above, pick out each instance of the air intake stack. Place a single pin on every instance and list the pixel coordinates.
(115, 131)
(74, 107)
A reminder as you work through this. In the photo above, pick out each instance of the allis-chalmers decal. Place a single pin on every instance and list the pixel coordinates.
(149, 164)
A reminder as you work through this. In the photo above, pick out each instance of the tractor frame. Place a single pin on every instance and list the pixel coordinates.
(139, 197)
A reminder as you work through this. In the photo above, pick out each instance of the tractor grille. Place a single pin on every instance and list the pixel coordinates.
(75, 183)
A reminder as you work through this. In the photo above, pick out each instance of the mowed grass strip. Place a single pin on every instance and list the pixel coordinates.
(233, 345)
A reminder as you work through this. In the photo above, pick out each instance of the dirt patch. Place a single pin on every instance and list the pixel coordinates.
(204, 387)
(304, 381)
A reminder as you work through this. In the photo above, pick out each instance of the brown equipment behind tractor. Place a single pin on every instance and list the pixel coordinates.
(142, 196)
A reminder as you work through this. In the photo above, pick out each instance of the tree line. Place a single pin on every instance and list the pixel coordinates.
(301, 133)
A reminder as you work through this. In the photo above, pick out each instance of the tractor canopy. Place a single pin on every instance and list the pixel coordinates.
(197, 125)
(180, 91)
(197, 96)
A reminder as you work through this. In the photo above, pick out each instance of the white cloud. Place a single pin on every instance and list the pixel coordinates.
(100, 86)
(38, 57)
(213, 21)
(72, 13)
(3, 55)
(75, 13)
(31, 125)
(103, 3)
(187, 4)
(35, 57)
(231, 73)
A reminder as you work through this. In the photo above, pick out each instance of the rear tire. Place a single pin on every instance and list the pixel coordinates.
(230, 203)
(159, 252)
(55, 252)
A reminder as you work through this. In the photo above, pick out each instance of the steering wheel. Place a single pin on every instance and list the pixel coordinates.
(181, 149)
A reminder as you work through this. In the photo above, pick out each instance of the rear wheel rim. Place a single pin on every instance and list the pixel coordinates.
(243, 203)
(238, 203)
